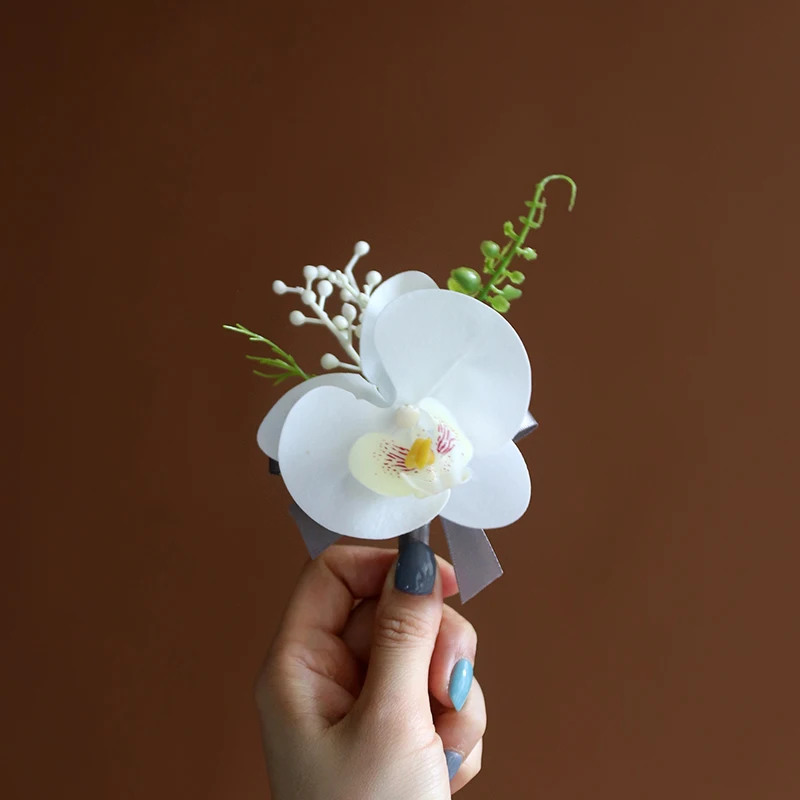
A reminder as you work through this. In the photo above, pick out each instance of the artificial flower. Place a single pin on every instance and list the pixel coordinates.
(426, 431)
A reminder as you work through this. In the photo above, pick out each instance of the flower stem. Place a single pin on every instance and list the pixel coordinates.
(422, 534)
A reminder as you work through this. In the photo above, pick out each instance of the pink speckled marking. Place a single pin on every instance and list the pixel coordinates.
(445, 441)
(392, 456)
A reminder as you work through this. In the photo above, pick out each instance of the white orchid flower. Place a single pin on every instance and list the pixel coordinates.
(427, 431)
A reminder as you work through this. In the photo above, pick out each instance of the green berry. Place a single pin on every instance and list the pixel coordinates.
(464, 280)
(490, 249)
(516, 277)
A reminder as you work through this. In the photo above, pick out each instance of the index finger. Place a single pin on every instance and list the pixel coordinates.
(332, 583)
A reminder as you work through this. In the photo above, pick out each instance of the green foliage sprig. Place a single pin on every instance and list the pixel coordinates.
(285, 364)
(496, 292)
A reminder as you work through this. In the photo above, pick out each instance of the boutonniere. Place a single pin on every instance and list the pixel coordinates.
(418, 411)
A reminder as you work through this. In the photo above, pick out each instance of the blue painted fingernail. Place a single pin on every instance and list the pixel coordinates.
(416, 567)
(453, 762)
(460, 683)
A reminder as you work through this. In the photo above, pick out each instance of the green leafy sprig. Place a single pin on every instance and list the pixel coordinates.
(285, 364)
(496, 292)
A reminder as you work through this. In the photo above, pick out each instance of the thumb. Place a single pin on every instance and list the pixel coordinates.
(406, 626)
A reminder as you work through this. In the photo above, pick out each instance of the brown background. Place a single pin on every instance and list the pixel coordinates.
(163, 163)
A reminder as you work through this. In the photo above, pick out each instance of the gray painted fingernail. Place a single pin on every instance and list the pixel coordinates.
(453, 762)
(460, 683)
(274, 467)
(416, 567)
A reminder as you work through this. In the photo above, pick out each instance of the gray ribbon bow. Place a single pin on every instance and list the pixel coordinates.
(473, 558)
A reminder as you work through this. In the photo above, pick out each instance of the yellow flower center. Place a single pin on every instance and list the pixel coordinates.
(420, 454)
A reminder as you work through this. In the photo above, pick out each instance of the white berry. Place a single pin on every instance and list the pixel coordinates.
(361, 248)
(325, 288)
(373, 278)
(329, 361)
(297, 318)
(309, 272)
(279, 287)
(340, 322)
(349, 312)
(308, 297)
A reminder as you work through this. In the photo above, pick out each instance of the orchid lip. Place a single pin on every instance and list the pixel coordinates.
(424, 453)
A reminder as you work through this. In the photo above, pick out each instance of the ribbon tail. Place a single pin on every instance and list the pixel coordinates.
(317, 539)
(474, 559)
(529, 425)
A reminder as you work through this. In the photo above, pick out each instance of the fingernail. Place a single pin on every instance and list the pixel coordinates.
(416, 567)
(274, 467)
(453, 762)
(460, 683)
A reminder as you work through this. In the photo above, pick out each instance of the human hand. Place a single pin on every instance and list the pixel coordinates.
(359, 692)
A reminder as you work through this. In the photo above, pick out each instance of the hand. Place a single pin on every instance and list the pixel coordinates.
(359, 693)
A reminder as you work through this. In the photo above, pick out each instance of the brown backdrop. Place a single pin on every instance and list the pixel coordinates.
(164, 163)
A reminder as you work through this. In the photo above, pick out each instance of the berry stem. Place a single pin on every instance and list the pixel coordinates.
(529, 223)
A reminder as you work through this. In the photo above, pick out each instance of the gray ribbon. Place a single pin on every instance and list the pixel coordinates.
(473, 558)
(317, 538)
(526, 431)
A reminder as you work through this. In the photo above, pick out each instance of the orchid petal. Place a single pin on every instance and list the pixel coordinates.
(455, 349)
(314, 448)
(269, 432)
(386, 292)
(498, 493)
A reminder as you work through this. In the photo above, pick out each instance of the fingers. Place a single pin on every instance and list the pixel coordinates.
(470, 767)
(461, 732)
(453, 660)
(330, 585)
(404, 634)
(309, 671)
(357, 634)
(450, 676)
(311, 667)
